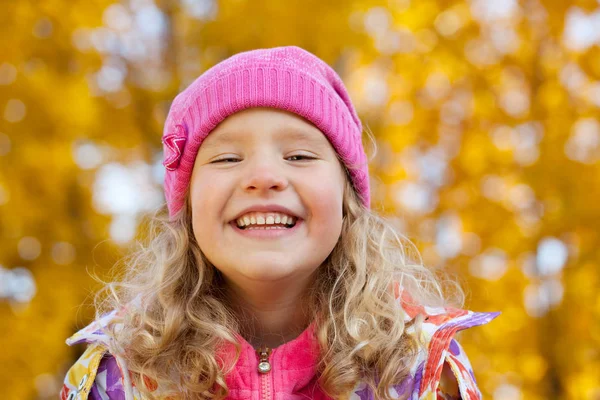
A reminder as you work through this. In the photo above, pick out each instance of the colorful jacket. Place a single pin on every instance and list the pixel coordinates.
(291, 374)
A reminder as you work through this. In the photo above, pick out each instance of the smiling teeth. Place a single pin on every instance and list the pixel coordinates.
(266, 219)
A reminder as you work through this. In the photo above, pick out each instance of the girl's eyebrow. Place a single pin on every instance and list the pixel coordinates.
(291, 134)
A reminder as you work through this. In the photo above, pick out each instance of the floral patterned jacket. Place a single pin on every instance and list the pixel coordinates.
(97, 374)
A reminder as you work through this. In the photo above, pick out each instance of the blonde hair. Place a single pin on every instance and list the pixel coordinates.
(176, 317)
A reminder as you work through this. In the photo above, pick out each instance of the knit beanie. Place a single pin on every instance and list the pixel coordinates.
(287, 78)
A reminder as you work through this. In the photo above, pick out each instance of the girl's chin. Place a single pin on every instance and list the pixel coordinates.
(267, 273)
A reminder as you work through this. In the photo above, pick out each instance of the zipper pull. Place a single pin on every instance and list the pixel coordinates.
(264, 366)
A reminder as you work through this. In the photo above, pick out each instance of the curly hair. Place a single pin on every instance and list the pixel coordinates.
(176, 314)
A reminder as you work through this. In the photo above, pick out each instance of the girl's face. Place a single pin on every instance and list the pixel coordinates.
(271, 157)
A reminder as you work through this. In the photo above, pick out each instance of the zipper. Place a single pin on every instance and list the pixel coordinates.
(264, 367)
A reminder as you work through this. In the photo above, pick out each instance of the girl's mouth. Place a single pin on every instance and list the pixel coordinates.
(267, 232)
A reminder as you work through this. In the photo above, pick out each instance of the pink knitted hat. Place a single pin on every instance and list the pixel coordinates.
(287, 78)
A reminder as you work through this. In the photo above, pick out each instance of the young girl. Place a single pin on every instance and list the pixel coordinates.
(268, 276)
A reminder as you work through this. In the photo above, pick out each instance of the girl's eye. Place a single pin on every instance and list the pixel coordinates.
(223, 159)
(232, 158)
(303, 156)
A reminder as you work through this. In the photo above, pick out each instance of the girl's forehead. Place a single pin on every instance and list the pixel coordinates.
(279, 133)
(292, 133)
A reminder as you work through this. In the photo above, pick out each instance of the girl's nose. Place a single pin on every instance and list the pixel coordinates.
(264, 175)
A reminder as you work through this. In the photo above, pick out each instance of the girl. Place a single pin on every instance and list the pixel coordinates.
(268, 276)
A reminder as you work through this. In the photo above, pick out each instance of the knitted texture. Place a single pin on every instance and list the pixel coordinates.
(287, 78)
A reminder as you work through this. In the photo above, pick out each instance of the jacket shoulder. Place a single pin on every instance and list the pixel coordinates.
(443, 352)
(97, 369)
(80, 377)
(459, 374)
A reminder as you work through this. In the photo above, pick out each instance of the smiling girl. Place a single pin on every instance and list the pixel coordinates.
(267, 275)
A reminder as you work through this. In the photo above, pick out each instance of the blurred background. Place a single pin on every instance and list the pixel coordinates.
(486, 114)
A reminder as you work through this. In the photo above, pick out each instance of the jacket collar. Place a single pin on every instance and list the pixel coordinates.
(293, 367)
